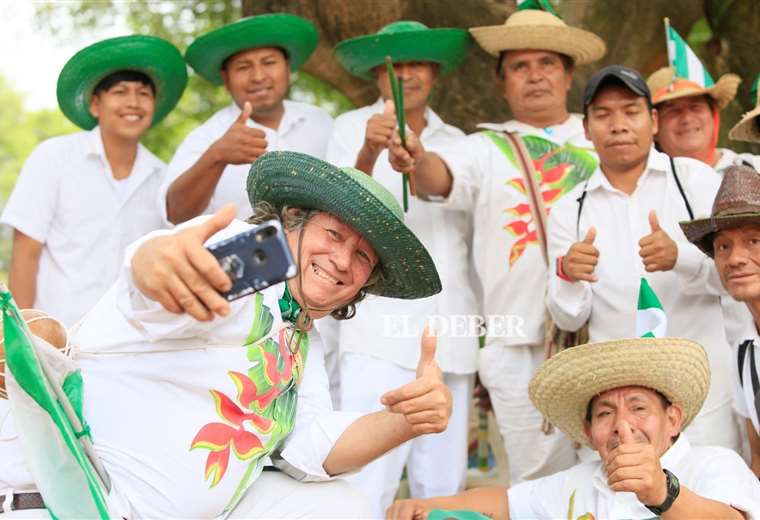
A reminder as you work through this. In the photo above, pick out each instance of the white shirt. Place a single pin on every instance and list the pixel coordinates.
(715, 473)
(689, 293)
(506, 255)
(390, 328)
(14, 475)
(745, 395)
(729, 157)
(148, 375)
(64, 199)
(303, 128)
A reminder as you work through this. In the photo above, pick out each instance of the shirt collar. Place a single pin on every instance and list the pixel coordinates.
(657, 162)
(145, 162)
(513, 125)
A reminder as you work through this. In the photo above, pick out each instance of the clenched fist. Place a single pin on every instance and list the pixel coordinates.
(581, 259)
(240, 144)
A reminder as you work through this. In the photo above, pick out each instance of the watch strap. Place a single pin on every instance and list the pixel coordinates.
(673, 488)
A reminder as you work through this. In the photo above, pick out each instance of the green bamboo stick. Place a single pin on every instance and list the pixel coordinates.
(397, 91)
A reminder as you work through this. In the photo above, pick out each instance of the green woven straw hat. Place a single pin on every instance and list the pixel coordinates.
(302, 181)
(404, 41)
(154, 57)
(295, 35)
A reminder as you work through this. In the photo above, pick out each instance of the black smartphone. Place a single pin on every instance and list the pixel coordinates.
(255, 259)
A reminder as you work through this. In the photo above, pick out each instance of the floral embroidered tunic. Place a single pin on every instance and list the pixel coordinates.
(185, 414)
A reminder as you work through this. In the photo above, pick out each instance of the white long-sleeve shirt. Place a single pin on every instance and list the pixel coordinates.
(148, 377)
(689, 293)
(390, 328)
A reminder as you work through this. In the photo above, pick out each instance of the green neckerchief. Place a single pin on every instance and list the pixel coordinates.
(289, 308)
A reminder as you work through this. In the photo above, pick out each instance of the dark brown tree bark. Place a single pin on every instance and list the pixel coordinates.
(633, 32)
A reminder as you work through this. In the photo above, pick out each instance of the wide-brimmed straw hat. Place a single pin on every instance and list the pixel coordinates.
(665, 86)
(748, 128)
(737, 203)
(154, 57)
(293, 34)
(566, 383)
(302, 181)
(540, 30)
(404, 41)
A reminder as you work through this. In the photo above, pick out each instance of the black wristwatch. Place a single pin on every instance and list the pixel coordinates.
(671, 482)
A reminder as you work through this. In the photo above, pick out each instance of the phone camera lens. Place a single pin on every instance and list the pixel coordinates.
(259, 257)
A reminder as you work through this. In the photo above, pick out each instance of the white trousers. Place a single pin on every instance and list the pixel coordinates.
(506, 372)
(435, 464)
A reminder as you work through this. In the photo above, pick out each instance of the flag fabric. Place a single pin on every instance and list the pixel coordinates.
(651, 321)
(684, 60)
(45, 393)
(540, 5)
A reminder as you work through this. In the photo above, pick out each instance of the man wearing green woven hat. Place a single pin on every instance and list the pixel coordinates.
(509, 193)
(200, 407)
(689, 118)
(381, 339)
(631, 408)
(253, 59)
(81, 198)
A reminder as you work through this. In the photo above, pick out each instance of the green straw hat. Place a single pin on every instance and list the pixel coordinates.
(404, 41)
(302, 181)
(293, 34)
(154, 57)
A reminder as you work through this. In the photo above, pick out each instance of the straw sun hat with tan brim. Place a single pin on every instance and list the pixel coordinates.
(665, 86)
(566, 383)
(301, 181)
(295, 35)
(540, 30)
(748, 128)
(404, 41)
(156, 58)
(737, 203)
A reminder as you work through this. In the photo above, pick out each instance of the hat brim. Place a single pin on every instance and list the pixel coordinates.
(582, 46)
(747, 128)
(295, 35)
(723, 92)
(302, 181)
(154, 57)
(700, 231)
(445, 46)
(566, 383)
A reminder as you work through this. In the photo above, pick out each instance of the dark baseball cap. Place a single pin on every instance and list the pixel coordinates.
(628, 77)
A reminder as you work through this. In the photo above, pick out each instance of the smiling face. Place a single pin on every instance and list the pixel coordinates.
(419, 78)
(621, 126)
(737, 259)
(686, 126)
(259, 76)
(635, 407)
(335, 262)
(125, 110)
(535, 84)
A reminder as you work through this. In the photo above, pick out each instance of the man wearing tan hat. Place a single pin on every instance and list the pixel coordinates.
(631, 408)
(622, 224)
(748, 128)
(536, 54)
(689, 118)
(732, 237)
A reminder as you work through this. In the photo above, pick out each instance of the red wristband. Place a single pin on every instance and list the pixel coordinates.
(560, 272)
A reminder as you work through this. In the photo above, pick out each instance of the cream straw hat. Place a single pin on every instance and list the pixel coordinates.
(539, 30)
(748, 129)
(566, 383)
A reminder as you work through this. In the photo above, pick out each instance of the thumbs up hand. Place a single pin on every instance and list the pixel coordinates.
(581, 259)
(240, 144)
(657, 250)
(633, 466)
(426, 402)
(380, 129)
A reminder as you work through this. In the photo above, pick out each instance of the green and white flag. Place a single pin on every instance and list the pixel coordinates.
(684, 60)
(539, 5)
(651, 321)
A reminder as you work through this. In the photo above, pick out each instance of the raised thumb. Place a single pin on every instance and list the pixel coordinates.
(218, 221)
(427, 350)
(653, 222)
(389, 108)
(590, 235)
(626, 434)
(245, 115)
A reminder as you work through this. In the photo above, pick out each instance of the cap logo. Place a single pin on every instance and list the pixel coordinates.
(629, 74)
